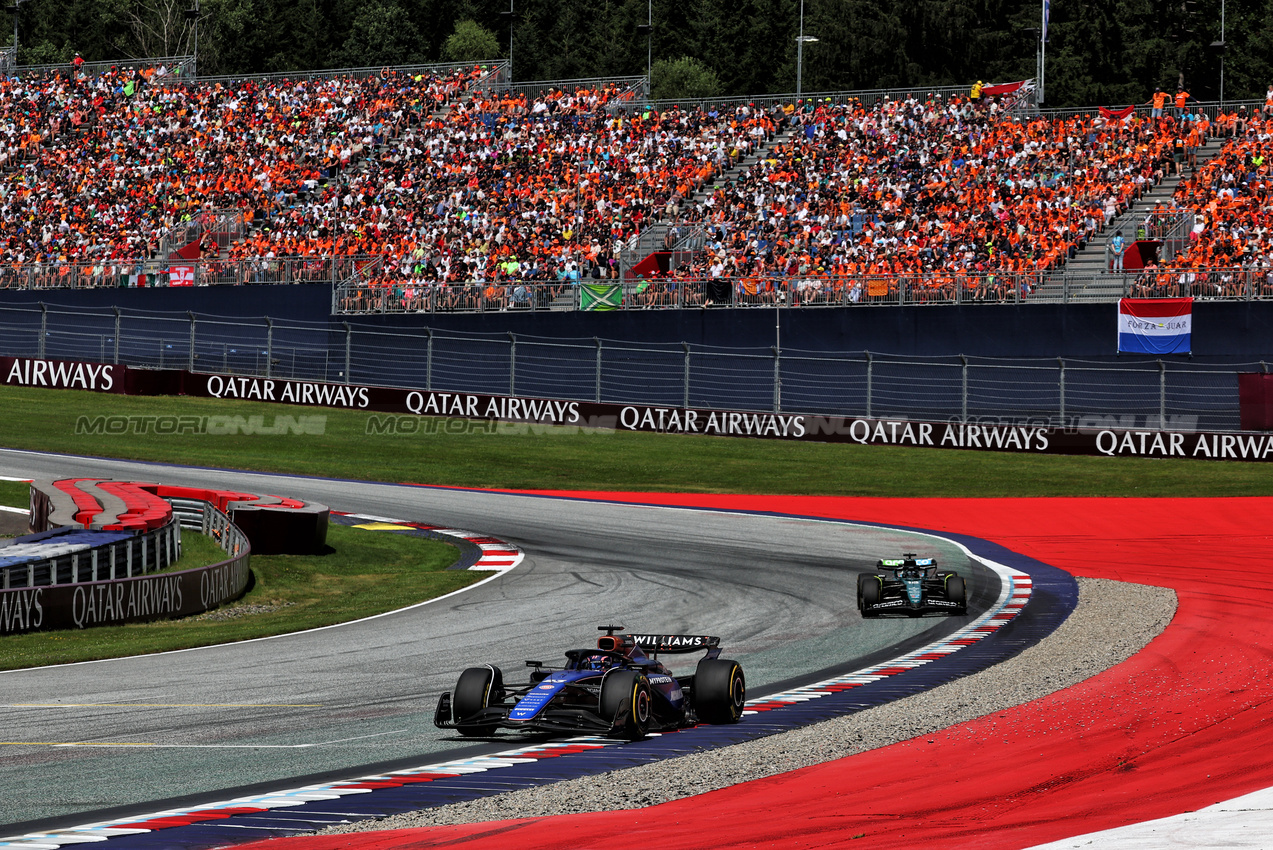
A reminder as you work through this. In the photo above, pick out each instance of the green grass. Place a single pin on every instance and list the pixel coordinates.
(368, 572)
(601, 461)
(197, 550)
(372, 572)
(15, 494)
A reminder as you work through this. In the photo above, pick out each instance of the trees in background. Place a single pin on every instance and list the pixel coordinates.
(684, 78)
(1098, 53)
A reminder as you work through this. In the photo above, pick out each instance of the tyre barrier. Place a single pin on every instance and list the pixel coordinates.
(98, 544)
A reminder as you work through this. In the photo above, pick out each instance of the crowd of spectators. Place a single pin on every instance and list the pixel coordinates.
(514, 188)
(942, 192)
(1231, 249)
(129, 153)
(457, 194)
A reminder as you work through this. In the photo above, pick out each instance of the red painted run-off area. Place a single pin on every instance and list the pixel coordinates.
(1184, 724)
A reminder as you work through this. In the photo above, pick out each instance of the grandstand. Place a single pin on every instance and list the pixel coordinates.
(443, 188)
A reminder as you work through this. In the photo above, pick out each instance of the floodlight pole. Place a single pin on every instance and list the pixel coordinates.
(195, 75)
(800, 40)
(14, 8)
(799, 46)
(1043, 52)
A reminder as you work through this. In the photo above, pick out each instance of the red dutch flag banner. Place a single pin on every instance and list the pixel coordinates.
(1155, 325)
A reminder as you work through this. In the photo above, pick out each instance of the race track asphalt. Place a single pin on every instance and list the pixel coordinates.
(90, 741)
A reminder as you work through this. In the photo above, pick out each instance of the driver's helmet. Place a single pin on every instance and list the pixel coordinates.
(596, 661)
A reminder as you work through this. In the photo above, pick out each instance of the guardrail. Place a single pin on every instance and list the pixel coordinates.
(207, 519)
(109, 598)
(136, 556)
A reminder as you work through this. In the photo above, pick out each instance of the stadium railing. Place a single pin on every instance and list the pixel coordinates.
(155, 272)
(223, 227)
(1066, 392)
(1210, 108)
(329, 73)
(867, 97)
(368, 285)
(372, 295)
(178, 67)
(629, 91)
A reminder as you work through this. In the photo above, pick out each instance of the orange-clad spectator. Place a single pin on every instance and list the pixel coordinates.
(1182, 100)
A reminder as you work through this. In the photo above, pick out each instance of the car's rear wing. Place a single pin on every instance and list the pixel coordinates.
(895, 563)
(675, 643)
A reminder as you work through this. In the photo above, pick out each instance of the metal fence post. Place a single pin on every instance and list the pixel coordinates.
(1162, 395)
(117, 327)
(428, 360)
(777, 379)
(1061, 361)
(512, 363)
(190, 365)
(44, 329)
(597, 394)
(349, 350)
(963, 388)
(685, 380)
(269, 346)
(870, 374)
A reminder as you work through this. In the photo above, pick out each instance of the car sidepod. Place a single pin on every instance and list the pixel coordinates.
(573, 690)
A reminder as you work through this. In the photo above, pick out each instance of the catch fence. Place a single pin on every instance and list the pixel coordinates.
(1125, 393)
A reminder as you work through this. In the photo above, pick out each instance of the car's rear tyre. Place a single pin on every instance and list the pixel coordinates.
(626, 702)
(868, 594)
(720, 691)
(477, 689)
(956, 592)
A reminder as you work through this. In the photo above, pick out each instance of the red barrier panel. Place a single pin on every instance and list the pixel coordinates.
(1255, 401)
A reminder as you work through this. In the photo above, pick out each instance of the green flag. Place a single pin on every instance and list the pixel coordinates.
(598, 296)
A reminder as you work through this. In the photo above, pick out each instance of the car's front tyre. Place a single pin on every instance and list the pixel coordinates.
(957, 592)
(868, 594)
(626, 702)
(477, 688)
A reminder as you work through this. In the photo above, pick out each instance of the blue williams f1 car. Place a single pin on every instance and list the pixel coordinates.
(620, 688)
(912, 587)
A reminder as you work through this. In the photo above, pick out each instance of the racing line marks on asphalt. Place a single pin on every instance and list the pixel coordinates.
(256, 812)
